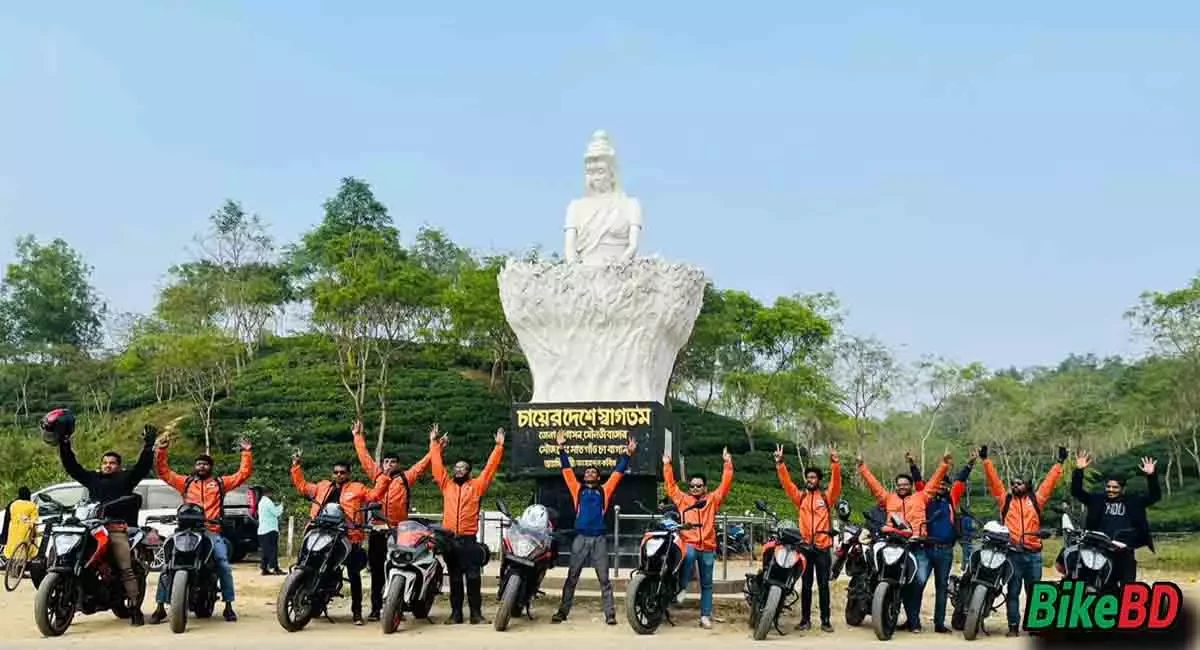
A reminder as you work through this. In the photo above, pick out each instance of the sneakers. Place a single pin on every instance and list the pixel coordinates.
(230, 615)
(941, 629)
(1012, 631)
(610, 620)
(706, 622)
(803, 625)
(136, 619)
(358, 620)
(558, 617)
(159, 615)
(373, 617)
(826, 627)
(476, 618)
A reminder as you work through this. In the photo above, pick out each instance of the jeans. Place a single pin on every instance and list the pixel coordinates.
(1027, 569)
(593, 552)
(706, 560)
(941, 558)
(913, 591)
(968, 549)
(268, 549)
(224, 572)
(816, 565)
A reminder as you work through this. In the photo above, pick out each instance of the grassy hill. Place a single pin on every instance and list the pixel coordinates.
(290, 396)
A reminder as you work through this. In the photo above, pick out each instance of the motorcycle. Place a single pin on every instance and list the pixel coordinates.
(190, 563)
(316, 577)
(414, 572)
(734, 539)
(1087, 556)
(530, 548)
(851, 554)
(78, 574)
(983, 588)
(657, 582)
(773, 588)
(894, 566)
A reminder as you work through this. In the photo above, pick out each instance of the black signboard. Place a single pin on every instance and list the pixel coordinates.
(596, 434)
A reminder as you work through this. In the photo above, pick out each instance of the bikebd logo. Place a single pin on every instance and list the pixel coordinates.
(1136, 607)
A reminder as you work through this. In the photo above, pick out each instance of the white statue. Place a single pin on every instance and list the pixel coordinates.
(604, 226)
(605, 325)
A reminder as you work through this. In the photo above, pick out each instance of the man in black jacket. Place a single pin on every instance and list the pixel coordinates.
(1119, 515)
(109, 484)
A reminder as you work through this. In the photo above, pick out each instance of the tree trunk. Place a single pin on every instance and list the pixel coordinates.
(382, 389)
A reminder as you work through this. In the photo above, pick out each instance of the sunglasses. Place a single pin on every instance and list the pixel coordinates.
(340, 472)
(697, 486)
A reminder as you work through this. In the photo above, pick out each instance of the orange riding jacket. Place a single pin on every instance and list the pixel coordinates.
(704, 536)
(354, 498)
(207, 493)
(812, 507)
(911, 507)
(395, 501)
(1022, 516)
(460, 502)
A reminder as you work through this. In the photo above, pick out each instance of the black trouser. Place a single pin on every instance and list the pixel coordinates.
(1125, 566)
(354, 566)
(464, 565)
(268, 550)
(377, 563)
(818, 564)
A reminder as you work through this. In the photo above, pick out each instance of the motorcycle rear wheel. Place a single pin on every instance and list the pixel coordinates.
(641, 607)
(766, 618)
(293, 606)
(178, 615)
(389, 618)
(885, 609)
(508, 602)
(55, 593)
(977, 611)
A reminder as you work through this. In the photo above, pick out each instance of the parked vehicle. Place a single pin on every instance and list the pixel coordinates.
(895, 566)
(79, 577)
(530, 548)
(1087, 557)
(414, 572)
(983, 588)
(734, 538)
(317, 577)
(189, 560)
(773, 589)
(656, 582)
(851, 554)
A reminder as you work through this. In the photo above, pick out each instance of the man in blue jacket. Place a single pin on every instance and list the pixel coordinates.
(591, 500)
(942, 533)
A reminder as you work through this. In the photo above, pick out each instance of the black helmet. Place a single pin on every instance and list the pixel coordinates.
(843, 509)
(57, 426)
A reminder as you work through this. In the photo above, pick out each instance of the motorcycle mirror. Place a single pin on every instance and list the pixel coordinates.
(761, 505)
(1067, 523)
(503, 508)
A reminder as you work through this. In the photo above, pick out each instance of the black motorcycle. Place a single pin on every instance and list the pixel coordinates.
(773, 589)
(894, 564)
(983, 588)
(1088, 557)
(191, 566)
(79, 576)
(657, 581)
(316, 577)
(850, 554)
(530, 548)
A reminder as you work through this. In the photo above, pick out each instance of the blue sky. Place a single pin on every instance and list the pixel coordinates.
(985, 183)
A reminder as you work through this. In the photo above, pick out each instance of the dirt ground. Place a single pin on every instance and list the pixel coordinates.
(257, 627)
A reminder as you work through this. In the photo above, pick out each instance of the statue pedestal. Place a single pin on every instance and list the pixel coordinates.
(601, 332)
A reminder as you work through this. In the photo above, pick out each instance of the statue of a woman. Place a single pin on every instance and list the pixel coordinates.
(604, 226)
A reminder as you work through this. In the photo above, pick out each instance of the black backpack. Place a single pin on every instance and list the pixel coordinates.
(1008, 501)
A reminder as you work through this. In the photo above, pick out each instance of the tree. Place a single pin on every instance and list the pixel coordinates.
(865, 372)
(937, 381)
(478, 318)
(47, 300)
(202, 362)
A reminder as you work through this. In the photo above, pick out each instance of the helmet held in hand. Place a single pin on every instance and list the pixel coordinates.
(57, 426)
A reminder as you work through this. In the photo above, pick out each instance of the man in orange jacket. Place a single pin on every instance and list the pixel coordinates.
(1021, 513)
(911, 508)
(207, 491)
(461, 496)
(701, 541)
(353, 497)
(813, 507)
(394, 509)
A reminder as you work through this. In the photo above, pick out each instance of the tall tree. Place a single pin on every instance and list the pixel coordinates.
(866, 373)
(47, 298)
(478, 317)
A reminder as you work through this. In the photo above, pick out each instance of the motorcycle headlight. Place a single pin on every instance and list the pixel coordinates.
(864, 537)
(1092, 560)
(653, 544)
(523, 547)
(892, 554)
(187, 542)
(786, 557)
(64, 544)
(318, 542)
(991, 559)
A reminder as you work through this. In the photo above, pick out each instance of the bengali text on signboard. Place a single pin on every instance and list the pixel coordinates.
(596, 435)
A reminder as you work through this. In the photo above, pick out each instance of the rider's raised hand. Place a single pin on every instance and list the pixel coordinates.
(725, 455)
(1082, 459)
(631, 447)
(1148, 465)
(833, 455)
(779, 453)
(296, 457)
(947, 457)
(357, 429)
(500, 436)
(1062, 454)
(433, 432)
(561, 439)
(246, 445)
(149, 434)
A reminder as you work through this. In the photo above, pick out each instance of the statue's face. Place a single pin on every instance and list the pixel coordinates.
(599, 175)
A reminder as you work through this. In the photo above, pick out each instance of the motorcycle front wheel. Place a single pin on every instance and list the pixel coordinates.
(977, 610)
(389, 618)
(293, 606)
(179, 602)
(885, 610)
(855, 611)
(54, 604)
(766, 618)
(508, 602)
(642, 607)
